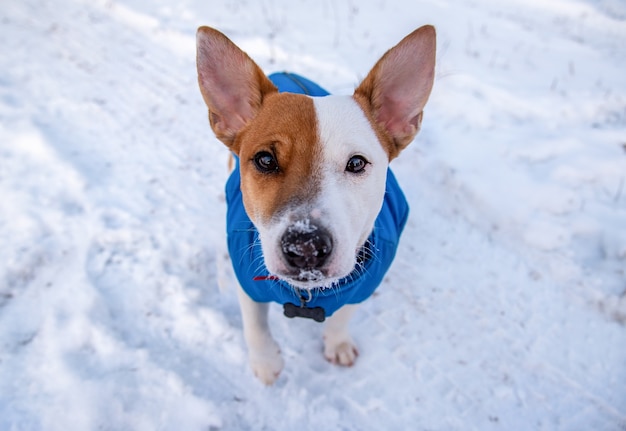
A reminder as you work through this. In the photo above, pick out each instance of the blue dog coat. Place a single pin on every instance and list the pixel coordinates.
(373, 262)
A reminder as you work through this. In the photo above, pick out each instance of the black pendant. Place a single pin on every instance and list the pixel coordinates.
(316, 313)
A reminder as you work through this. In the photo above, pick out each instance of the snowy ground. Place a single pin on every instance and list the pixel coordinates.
(505, 310)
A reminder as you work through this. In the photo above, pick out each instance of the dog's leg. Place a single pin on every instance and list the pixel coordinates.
(263, 351)
(338, 345)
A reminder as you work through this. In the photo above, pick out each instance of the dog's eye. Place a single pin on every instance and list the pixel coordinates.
(265, 162)
(356, 164)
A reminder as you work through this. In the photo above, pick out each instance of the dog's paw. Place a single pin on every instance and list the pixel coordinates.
(340, 352)
(266, 363)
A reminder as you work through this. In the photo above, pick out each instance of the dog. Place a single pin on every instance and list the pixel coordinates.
(314, 212)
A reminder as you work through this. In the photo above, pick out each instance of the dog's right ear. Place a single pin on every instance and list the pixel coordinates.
(397, 88)
(232, 85)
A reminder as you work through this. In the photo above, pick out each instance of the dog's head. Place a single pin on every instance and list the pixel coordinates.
(313, 170)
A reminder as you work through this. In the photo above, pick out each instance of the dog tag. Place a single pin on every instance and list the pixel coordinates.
(316, 313)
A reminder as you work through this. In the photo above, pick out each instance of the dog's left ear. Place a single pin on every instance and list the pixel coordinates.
(396, 89)
(232, 85)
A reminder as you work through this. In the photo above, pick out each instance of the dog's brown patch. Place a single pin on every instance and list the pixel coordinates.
(286, 126)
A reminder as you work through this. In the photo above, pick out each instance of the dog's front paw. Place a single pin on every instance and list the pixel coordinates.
(340, 352)
(266, 363)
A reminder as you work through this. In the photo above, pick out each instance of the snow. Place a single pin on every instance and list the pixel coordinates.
(505, 308)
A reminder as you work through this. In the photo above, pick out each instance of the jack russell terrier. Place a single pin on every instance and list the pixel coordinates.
(314, 213)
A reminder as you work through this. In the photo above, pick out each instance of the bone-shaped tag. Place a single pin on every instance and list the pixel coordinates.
(316, 313)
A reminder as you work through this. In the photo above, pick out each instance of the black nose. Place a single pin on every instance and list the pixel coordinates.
(306, 248)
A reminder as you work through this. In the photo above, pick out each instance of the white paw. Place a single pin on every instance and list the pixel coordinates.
(340, 352)
(266, 363)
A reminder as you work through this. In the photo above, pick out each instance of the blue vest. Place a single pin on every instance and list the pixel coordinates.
(374, 260)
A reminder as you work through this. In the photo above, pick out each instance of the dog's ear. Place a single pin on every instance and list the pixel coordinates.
(232, 85)
(397, 88)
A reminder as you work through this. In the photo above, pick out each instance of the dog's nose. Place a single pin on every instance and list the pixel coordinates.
(306, 248)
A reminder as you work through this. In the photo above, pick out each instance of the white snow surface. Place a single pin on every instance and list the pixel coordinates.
(504, 310)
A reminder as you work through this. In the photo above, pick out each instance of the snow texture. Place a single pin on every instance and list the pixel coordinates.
(504, 310)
